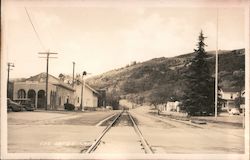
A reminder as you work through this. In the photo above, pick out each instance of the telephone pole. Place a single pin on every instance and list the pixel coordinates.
(8, 77)
(84, 73)
(47, 74)
(216, 68)
(73, 74)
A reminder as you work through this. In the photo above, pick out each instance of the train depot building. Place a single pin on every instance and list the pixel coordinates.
(59, 93)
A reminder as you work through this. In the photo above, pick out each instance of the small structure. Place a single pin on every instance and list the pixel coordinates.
(59, 92)
(170, 107)
(228, 95)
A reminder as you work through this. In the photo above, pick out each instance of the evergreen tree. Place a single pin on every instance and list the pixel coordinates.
(199, 92)
(239, 83)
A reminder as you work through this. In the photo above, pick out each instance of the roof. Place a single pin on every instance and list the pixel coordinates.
(230, 89)
(91, 88)
(87, 86)
(56, 81)
(52, 79)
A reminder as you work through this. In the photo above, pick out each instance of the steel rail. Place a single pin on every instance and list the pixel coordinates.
(143, 141)
(98, 140)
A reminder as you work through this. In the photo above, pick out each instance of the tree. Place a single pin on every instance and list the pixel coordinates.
(112, 99)
(239, 83)
(161, 95)
(156, 98)
(199, 92)
(61, 77)
(78, 79)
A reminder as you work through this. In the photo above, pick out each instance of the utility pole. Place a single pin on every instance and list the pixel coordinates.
(8, 77)
(73, 74)
(81, 105)
(216, 68)
(47, 74)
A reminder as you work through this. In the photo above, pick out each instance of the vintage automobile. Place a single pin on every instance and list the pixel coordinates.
(234, 111)
(13, 106)
(109, 107)
(26, 103)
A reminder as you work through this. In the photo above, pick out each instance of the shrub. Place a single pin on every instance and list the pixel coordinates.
(69, 106)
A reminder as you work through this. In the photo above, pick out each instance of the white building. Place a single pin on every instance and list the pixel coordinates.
(59, 92)
(89, 95)
(170, 106)
(228, 95)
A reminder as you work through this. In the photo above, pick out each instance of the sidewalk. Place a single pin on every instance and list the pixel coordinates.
(235, 120)
(223, 118)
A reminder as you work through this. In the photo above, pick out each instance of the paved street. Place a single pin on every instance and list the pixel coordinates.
(69, 132)
(180, 137)
(64, 132)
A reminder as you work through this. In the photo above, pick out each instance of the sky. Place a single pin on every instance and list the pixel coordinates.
(99, 39)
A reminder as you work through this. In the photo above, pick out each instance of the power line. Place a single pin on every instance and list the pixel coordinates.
(34, 29)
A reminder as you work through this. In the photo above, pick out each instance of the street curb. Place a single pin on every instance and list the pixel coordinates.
(162, 118)
(219, 122)
(186, 122)
(102, 121)
(198, 122)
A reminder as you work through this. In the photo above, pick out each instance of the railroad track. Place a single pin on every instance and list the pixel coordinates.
(96, 143)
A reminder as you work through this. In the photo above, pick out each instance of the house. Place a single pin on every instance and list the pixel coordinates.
(59, 92)
(170, 106)
(228, 95)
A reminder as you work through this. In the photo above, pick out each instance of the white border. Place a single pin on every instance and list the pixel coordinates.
(247, 85)
(122, 3)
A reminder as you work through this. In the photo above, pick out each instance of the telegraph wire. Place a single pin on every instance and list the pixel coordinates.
(34, 29)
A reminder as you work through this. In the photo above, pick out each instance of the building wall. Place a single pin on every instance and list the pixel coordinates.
(31, 85)
(77, 98)
(230, 99)
(229, 95)
(58, 94)
(89, 97)
(169, 106)
(63, 96)
(56, 98)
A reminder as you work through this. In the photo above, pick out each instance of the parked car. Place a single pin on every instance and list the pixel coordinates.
(234, 111)
(69, 107)
(13, 106)
(27, 104)
(109, 107)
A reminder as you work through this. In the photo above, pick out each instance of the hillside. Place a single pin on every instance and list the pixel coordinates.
(136, 82)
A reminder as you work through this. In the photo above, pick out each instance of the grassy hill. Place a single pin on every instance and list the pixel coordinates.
(136, 82)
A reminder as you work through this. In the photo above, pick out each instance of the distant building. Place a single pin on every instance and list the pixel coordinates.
(59, 92)
(170, 106)
(228, 95)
